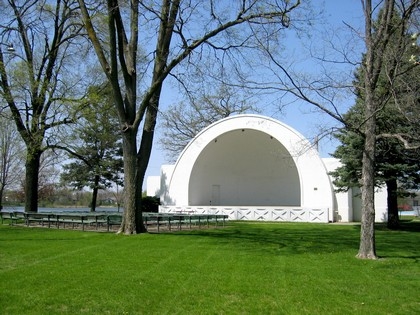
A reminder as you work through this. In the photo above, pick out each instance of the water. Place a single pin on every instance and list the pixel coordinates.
(64, 210)
(412, 212)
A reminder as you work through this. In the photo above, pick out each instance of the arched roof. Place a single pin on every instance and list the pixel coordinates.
(253, 148)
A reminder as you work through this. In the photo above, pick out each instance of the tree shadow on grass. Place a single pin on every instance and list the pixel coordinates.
(401, 243)
(294, 239)
(283, 237)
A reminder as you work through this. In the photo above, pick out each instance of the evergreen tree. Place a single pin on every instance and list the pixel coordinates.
(395, 166)
(98, 151)
(396, 162)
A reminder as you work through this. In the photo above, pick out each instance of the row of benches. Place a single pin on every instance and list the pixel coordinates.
(96, 220)
(152, 221)
(178, 221)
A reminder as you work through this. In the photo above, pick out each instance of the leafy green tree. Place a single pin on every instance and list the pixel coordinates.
(98, 150)
(39, 75)
(395, 166)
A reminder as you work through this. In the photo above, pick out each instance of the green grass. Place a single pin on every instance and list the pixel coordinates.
(247, 268)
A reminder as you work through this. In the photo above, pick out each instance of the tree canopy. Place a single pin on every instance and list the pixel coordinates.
(395, 159)
(97, 148)
(45, 48)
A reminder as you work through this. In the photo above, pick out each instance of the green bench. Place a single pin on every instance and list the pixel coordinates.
(156, 220)
(13, 217)
(82, 220)
(178, 221)
(40, 218)
(75, 220)
(112, 220)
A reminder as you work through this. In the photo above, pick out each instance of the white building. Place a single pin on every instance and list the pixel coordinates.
(253, 167)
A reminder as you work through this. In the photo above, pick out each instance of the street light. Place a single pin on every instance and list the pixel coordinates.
(10, 47)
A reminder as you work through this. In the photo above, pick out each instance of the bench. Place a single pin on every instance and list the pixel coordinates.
(112, 220)
(86, 219)
(156, 219)
(4, 215)
(99, 220)
(13, 217)
(76, 220)
(39, 218)
(179, 220)
(62, 219)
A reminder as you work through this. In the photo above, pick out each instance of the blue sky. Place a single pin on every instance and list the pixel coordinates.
(300, 117)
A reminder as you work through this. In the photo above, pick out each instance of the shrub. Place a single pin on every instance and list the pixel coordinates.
(150, 204)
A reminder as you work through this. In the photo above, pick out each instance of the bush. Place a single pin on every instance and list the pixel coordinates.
(150, 204)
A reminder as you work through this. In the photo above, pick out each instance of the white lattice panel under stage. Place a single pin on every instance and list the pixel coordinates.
(298, 215)
(244, 214)
(279, 214)
(317, 215)
(261, 214)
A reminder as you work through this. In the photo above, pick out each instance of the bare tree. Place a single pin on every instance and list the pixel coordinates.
(322, 90)
(183, 121)
(377, 40)
(38, 80)
(185, 32)
(11, 147)
(49, 175)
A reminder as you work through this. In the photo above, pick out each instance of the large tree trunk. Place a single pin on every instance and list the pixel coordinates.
(132, 222)
(1, 195)
(33, 160)
(94, 194)
(392, 203)
(372, 65)
(144, 153)
(367, 248)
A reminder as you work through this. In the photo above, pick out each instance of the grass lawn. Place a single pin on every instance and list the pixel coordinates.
(246, 268)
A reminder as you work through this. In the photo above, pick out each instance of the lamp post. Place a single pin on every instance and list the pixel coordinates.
(10, 47)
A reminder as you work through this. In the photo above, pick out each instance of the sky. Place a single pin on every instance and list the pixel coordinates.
(300, 117)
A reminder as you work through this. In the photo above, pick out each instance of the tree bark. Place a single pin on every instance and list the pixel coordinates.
(1, 196)
(132, 222)
(367, 249)
(33, 160)
(94, 194)
(144, 153)
(393, 221)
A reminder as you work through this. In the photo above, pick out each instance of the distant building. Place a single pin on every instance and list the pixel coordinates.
(253, 167)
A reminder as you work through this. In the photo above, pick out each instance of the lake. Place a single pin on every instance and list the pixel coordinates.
(67, 209)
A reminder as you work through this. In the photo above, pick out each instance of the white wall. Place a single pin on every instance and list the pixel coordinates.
(244, 167)
(188, 178)
(349, 203)
(165, 176)
(381, 208)
(343, 206)
(153, 186)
